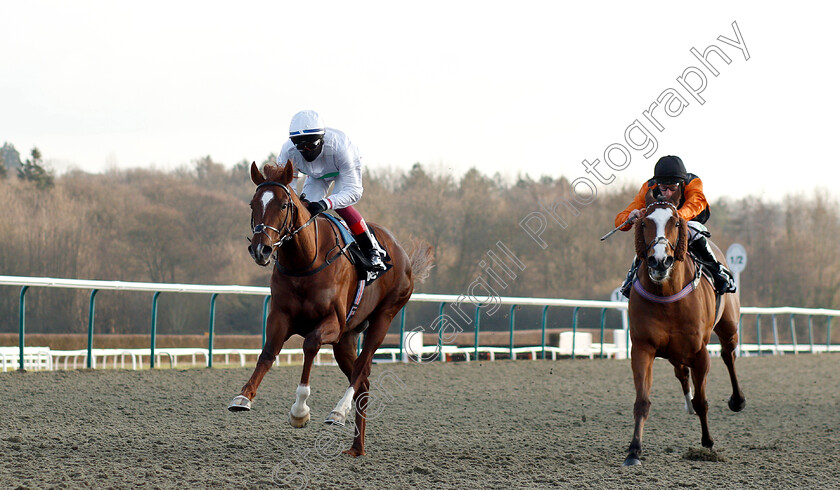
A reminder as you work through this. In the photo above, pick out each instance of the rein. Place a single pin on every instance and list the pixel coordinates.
(327, 262)
(287, 234)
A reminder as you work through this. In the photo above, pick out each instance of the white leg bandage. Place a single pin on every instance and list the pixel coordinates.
(300, 408)
(346, 402)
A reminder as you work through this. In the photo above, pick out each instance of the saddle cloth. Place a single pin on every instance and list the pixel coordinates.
(356, 257)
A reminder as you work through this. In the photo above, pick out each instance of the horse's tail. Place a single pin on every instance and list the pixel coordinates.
(422, 258)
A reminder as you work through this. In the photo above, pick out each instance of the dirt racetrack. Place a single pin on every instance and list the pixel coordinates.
(503, 424)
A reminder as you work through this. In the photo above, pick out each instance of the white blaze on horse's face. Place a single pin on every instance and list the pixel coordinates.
(265, 199)
(660, 217)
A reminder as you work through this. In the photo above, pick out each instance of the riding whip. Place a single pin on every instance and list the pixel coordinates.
(629, 220)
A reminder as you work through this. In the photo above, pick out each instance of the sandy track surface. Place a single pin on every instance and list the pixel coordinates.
(524, 424)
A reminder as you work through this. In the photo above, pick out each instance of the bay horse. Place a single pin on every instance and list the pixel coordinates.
(672, 313)
(312, 295)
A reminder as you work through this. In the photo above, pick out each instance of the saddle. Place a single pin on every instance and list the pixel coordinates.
(355, 255)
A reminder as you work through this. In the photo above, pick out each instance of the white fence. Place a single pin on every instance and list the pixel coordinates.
(573, 344)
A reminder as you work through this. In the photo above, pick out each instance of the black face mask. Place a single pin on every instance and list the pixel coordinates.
(308, 146)
(311, 155)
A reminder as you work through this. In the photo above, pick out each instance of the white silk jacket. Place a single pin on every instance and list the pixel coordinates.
(338, 162)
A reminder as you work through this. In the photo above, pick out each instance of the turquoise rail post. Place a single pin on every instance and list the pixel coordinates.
(574, 328)
(775, 335)
(358, 345)
(811, 333)
(512, 317)
(440, 334)
(22, 324)
(544, 314)
(265, 319)
(477, 322)
(603, 317)
(154, 328)
(758, 332)
(402, 332)
(210, 330)
(793, 334)
(828, 336)
(90, 328)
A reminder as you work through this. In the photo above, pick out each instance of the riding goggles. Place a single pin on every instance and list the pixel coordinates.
(306, 144)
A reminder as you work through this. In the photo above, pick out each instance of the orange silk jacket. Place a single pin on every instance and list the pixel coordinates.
(694, 201)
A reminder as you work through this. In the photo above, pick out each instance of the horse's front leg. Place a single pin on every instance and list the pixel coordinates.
(326, 332)
(642, 364)
(699, 371)
(278, 332)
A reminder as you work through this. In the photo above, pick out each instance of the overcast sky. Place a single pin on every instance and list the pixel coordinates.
(530, 87)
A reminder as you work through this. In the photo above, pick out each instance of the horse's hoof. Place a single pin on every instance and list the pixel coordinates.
(298, 422)
(335, 418)
(354, 452)
(631, 461)
(736, 406)
(240, 404)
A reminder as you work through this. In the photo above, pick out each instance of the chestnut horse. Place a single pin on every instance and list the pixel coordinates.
(312, 294)
(672, 313)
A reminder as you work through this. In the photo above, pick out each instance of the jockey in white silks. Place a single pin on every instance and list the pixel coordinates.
(326, 155)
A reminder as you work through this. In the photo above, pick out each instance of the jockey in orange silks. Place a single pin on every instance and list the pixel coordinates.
(669, 176)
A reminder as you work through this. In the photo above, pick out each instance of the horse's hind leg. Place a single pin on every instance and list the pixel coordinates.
(727, 332)
(642, 364)
(278, 333)
(699, 372)
(345, 356)
(359, 382)
(345, 353)
(682, 373)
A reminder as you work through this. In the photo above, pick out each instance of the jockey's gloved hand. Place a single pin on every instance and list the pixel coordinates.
(316, 207)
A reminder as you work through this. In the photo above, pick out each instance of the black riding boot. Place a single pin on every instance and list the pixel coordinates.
(631, 274)
(724, 282)
(370, 247)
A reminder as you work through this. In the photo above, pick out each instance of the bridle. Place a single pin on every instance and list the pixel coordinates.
(688, 289)
(285, 232)
(661, 239)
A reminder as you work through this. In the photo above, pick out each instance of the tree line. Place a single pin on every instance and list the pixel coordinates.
(190, 226)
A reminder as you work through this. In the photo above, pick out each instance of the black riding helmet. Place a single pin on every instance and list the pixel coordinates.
(669, 170)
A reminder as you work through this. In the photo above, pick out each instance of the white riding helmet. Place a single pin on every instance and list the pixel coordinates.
(306, 123)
